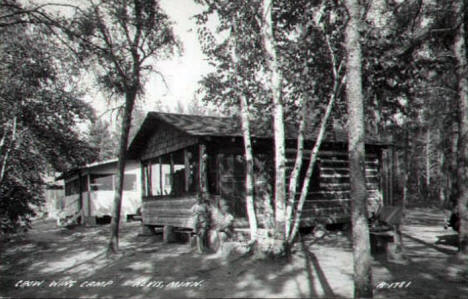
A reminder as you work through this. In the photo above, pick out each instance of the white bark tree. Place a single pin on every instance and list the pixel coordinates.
(275, 84)
(462, 178)
(356, 152)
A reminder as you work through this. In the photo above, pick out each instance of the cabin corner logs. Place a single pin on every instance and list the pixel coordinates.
(184, 166)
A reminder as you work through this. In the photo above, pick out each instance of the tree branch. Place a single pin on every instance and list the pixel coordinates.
(108, 41)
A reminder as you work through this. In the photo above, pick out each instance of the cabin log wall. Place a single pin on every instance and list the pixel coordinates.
(330, 202)
(172, 211)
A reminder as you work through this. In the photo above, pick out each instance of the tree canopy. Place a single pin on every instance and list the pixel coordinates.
(40, 110)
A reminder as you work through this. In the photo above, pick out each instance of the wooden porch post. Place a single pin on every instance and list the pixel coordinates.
(203, 157)
(187, 169)
(143, 187)
(384, 177)
(80, 197)
(80, 191)
(88, 177)
(396, 173)
(171, 177)
(149, 181)
(160, 176)
(391, 175)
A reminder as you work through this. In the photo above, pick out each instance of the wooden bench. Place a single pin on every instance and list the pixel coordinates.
(134, 217)
(385, 229)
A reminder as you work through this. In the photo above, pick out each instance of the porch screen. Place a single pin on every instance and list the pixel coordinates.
(171, 174)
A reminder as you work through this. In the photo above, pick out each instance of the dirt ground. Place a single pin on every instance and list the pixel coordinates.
(56, 262)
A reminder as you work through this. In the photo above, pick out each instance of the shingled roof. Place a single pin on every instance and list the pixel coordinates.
(75, 170)
(217, 126)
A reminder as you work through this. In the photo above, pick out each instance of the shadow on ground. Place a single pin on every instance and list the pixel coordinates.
(320, 266)
(72, 263)
(432, 269)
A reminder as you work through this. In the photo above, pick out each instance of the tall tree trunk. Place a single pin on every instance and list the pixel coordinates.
(462, 170)
(356, 152)
(130, 97)
(428, 160)
(249, 176)
(278, 117)
(296, 170)
(249, 159)
(406, 162)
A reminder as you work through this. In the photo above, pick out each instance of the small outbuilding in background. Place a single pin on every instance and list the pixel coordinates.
(89, 192)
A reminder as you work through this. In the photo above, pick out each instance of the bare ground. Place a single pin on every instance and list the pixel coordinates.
(69, 263)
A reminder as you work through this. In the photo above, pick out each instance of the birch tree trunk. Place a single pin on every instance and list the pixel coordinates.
(338, 80)
(296, 170)
(462, 168)
(249, 176)
(313, 158)
(249, 160)
(278, 117)
(356, 152)
(6, 149)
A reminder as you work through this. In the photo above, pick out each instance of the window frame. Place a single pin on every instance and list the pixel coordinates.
(190, 157)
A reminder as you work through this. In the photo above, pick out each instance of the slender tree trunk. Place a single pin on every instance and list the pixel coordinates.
(278, 117)
(338, 81)
(8, 149)
(453, 166)
(249, 159)
(249, 176)
(126, 122)
(428, 160)
(313, 158)
(356, 152)
(404, 198)
(462, 169)
(296, 170)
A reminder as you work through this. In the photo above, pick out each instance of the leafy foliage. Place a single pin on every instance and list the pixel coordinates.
(100, 137)
(39, 111)
(119, 40)
(301, 30)
(410, 92)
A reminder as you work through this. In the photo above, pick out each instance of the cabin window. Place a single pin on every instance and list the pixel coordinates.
(166, 179)
(130, 182)
(72, 187)
(156, 178)
(171, 174)
(146, 179)
(102, 182)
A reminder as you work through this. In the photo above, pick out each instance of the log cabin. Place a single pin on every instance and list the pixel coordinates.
(89, 191)
(183, 156)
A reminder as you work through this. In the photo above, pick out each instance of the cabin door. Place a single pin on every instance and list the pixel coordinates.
(232, 183)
